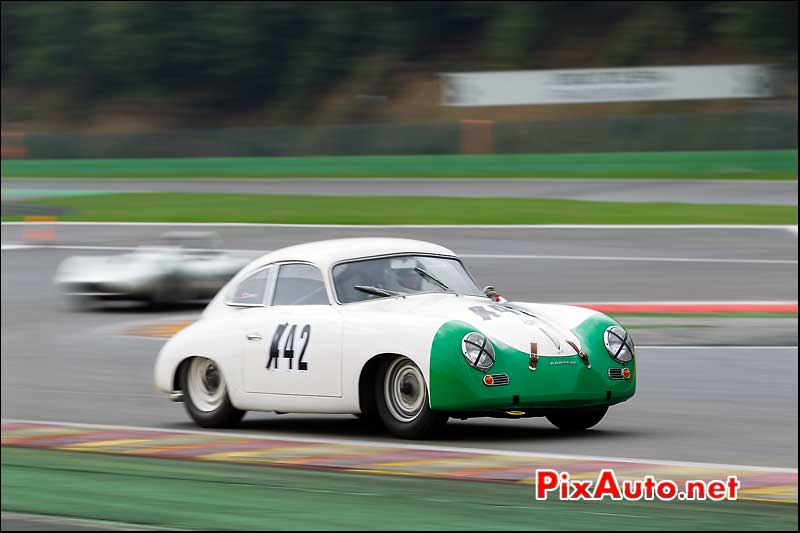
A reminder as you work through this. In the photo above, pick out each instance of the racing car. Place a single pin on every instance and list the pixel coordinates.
(180, 267)
(394, 330)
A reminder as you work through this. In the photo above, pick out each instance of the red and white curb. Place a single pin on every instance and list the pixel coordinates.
(757, 483)
(687, 307)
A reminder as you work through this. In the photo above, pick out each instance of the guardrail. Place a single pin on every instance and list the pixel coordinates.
(692, 131)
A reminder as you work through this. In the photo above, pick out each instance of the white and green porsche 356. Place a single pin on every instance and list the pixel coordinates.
(395, 330)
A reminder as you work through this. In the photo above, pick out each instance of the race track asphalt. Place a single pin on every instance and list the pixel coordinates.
(764, 192)
(709, 403)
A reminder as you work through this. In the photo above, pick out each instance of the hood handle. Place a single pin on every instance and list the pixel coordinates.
(583, 355)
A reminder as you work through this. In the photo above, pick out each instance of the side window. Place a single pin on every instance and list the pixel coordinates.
(300, 285)
(251, 290)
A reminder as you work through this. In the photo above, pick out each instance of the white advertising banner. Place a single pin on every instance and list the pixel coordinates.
(535, 87)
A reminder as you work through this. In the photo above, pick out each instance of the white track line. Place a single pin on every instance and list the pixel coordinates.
(642, 259)
(108, 248)
(77, 523)
(398, 444)
(268, 180)
(688, 302)
(759, 348)
(424, 226)
(467, 256)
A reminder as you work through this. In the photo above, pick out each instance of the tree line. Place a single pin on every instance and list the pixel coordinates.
(237, 53)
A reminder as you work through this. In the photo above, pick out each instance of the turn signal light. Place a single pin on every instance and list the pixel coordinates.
(626, 372)
(488, 380)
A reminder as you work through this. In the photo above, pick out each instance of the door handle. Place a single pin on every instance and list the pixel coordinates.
(253, 337)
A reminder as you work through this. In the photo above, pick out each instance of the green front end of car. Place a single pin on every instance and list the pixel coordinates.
(557, 382)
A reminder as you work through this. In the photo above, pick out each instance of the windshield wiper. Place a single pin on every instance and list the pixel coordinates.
(377, 291)
(422, 272)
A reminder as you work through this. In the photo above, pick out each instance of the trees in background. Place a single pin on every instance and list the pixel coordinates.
(240, 54)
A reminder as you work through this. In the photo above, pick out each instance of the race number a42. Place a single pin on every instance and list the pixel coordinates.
(285, 346)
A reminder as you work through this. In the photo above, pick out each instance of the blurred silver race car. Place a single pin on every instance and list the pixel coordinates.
(181, 267)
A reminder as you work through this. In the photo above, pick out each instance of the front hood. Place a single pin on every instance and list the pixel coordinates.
(516, 324)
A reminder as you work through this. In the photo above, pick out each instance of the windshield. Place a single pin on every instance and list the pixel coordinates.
(409, 274)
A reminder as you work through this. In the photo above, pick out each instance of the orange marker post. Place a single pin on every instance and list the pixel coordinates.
(39, 232)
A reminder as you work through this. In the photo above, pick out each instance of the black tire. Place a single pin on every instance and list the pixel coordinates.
(577, 419)
(75, 302)
(162, 298)
(418, 421)
(217, 414)
(370, 421)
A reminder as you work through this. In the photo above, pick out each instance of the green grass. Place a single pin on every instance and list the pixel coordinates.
(213, 207)
(201, 495)
(743, 164)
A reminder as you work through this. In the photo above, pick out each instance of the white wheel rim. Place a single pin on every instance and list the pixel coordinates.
(206, 385)
(404, 390)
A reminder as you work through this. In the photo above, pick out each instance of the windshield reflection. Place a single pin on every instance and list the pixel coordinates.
(407, 274)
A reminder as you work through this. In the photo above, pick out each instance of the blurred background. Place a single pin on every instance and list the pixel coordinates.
(317, 78)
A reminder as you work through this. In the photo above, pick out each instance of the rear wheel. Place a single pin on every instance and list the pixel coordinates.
(76, 302)
(206, 395)
(577, 419)
(402, 400)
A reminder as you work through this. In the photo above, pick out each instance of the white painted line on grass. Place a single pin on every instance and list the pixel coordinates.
(422, 226)
(31, 181)
(396, 444)
(69, 522)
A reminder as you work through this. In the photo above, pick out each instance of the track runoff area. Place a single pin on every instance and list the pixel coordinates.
(348, 480)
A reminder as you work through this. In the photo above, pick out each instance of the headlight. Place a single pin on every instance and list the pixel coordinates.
(478, 351)
(619, 344)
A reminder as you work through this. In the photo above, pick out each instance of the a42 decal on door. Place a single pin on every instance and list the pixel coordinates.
(290, 348)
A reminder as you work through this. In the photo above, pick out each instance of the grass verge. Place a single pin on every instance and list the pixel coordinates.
(208, 496)
(213, 207)
(739, 164)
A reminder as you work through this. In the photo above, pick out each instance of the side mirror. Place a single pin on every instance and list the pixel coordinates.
(491, 293)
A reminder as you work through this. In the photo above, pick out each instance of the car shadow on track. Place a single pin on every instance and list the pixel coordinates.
(139, 308)
(473, 431)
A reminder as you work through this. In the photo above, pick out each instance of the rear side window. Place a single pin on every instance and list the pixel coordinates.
(300, 284)
(251, 290)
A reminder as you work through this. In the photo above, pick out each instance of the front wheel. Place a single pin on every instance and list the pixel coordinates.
(402, 400)
(206, 395)
(577, 419)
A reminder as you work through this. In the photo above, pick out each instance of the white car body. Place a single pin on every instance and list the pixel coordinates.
(337, 341)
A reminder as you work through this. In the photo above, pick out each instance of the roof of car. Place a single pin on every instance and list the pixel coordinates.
(326, 253)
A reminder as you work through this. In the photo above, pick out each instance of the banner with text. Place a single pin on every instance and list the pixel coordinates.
(534, 87)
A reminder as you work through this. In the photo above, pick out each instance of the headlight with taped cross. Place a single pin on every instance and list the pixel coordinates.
(478, 351)
(619, 344)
